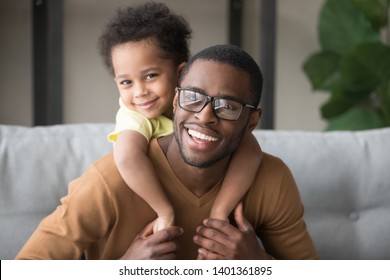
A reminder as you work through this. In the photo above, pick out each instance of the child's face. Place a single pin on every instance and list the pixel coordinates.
(146, 82)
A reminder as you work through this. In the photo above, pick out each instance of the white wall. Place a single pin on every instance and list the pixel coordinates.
(89, 92)
(15, 63)
(297, 107)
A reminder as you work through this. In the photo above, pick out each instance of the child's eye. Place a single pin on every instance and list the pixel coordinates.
(151, 76)
(125, 82)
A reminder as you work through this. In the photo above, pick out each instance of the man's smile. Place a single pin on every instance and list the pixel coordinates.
(201, 136)
(198, 140)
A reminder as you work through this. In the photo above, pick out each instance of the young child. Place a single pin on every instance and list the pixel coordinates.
(145, 48)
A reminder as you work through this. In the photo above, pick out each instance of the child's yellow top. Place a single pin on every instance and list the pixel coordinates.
(130, 120)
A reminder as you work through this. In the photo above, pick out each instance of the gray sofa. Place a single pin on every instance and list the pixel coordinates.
(343, 177)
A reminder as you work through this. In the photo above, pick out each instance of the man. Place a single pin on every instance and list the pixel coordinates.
(103, 219)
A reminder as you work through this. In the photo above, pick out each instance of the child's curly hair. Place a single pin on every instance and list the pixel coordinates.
(150, 20)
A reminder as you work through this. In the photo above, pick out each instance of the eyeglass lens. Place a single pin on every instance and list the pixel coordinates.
(195, 102)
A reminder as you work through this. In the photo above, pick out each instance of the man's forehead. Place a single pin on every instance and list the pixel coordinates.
(203, 63)
(218, 78)
(212, 70)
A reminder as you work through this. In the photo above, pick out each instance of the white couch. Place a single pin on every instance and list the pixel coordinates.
(343, 177)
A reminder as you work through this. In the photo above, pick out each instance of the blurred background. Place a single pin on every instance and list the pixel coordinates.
(280, 35)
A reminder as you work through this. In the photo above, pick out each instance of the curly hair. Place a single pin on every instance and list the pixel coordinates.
(233, 56)
(147, 21)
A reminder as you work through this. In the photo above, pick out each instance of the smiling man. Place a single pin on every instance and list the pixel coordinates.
(101, 218)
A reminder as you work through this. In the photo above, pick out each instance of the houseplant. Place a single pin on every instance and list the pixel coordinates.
(353, 64)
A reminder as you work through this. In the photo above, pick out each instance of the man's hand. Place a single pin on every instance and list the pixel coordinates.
(220, 240)
(161, 245)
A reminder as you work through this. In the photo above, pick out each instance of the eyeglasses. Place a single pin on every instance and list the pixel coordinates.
(224, 107)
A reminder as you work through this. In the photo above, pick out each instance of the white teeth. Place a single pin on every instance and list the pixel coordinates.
(201, 135)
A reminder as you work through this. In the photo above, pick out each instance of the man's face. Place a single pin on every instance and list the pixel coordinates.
(203, 138)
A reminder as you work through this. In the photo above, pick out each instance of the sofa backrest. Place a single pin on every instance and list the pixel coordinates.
(343, 177)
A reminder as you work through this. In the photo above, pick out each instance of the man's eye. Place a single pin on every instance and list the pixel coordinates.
(222, 104)
(125, 82)
(192, 96)
(227, 107)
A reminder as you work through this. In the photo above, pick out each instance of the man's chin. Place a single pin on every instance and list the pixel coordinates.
(198, 164)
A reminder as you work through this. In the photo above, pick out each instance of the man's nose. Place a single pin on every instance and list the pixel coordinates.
(207, 114)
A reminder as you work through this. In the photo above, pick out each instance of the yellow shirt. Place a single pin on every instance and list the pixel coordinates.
(101, 216)
(127, 119)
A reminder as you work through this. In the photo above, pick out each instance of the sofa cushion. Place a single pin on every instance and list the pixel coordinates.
(36, 165)
(344, 181)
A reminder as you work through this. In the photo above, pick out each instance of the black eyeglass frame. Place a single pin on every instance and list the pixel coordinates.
(210, 99)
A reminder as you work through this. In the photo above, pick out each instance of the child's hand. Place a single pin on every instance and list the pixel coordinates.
(162, 222)
(147, 246)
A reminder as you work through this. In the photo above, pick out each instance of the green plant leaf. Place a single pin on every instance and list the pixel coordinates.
(384, 101)
(322, 69)
(374, 10)
(336, 105)
(353, 64)
(363, 68)
(357, 118)
(342, 26)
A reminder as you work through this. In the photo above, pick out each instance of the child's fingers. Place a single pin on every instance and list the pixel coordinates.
(242, 222)
(146, 231)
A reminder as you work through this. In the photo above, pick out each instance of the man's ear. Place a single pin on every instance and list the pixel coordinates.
(174, 102)
(254, 119)
(180, 68)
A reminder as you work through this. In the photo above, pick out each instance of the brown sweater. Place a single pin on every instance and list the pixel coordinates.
(101, 216)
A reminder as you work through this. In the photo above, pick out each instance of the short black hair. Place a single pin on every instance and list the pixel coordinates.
(236, 57)
(147, 21)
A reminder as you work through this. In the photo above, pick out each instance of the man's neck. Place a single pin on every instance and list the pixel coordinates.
(198, 180)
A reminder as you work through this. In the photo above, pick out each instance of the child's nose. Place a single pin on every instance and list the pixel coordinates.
(139, 90)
